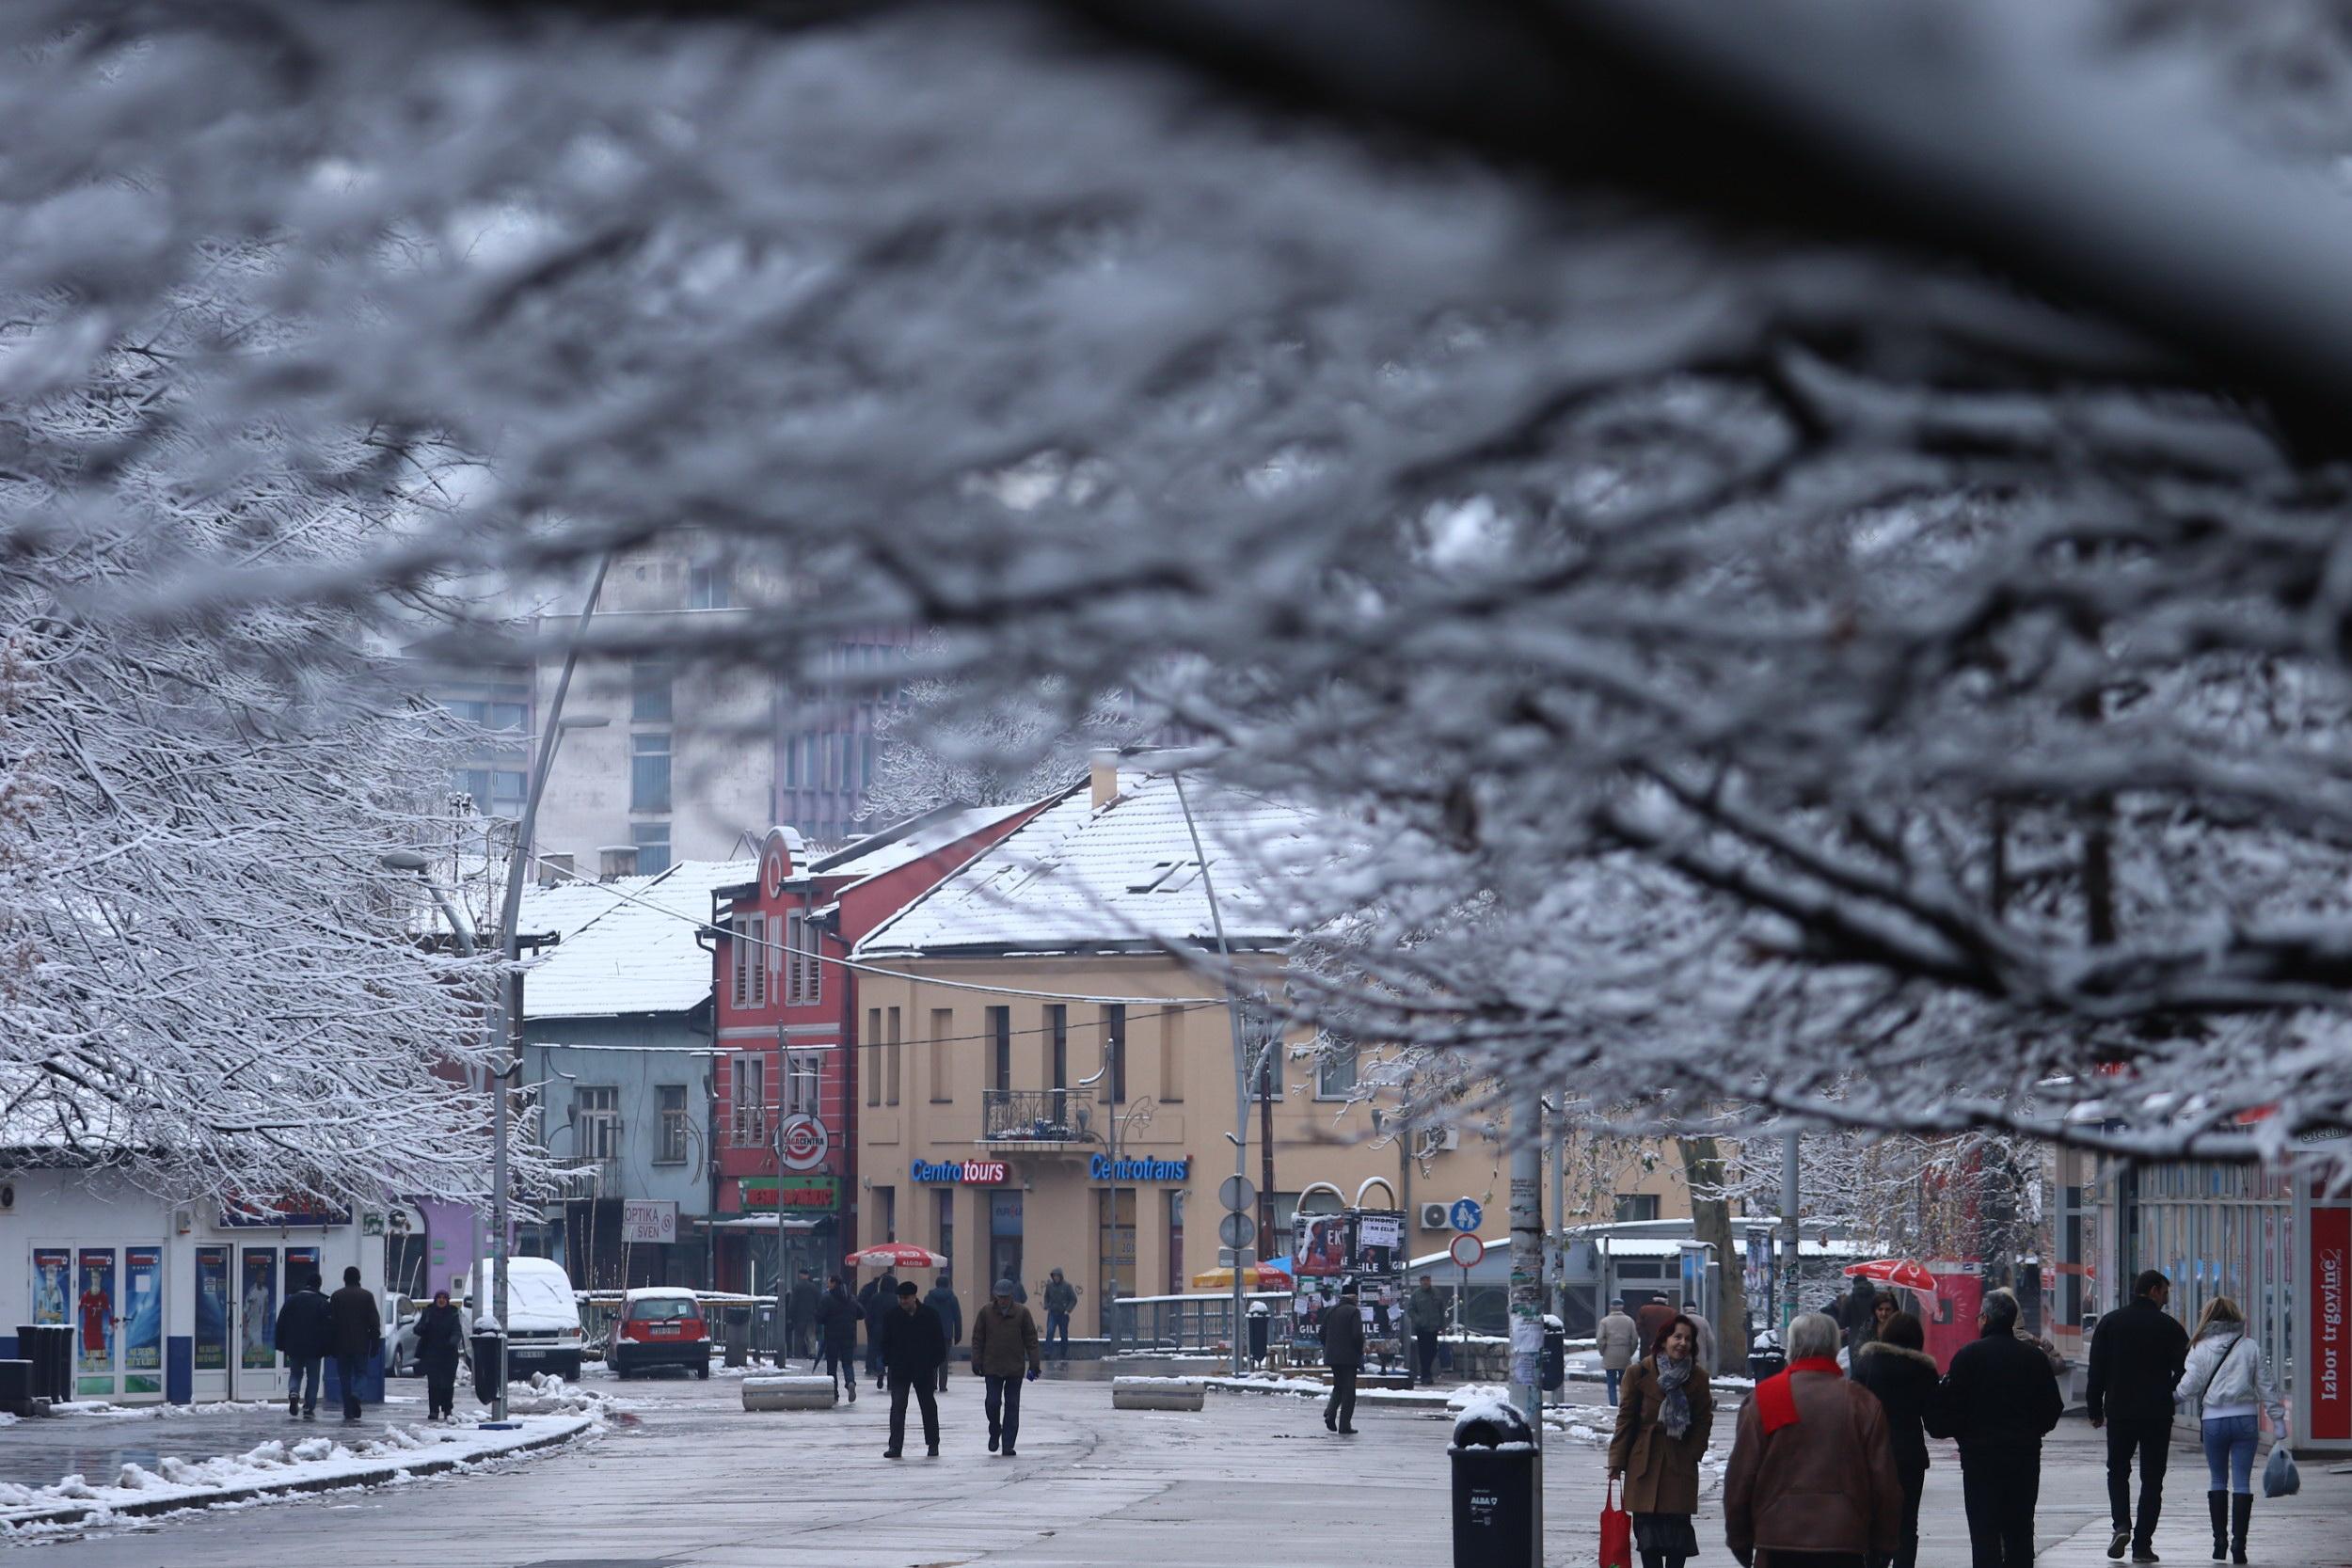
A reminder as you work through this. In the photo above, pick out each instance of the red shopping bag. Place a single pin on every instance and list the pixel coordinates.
(1616, 1533)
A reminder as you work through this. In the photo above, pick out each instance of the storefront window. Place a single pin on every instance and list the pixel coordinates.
(1115, 1233)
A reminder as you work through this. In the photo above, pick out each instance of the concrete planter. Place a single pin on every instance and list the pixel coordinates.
(1158, 1393)
(789, 1393)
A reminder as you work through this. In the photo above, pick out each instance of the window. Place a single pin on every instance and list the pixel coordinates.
(1000, 1049)
(748, 984)
(596, 1118)
(1115, 1238)
(653, 846)
(1057, 1039)
(650, 773)
(1176, 1243)
(751, 1101)
(669, 1101)
(651, 682)
(1335, 1069)
(1262, 1048)
(791, 765)
(1115, 1053)
(1172, 1056)
(873, 1056)
(886, 1214)
(803, 1083)
(506, 716)
(806, 972)
(942, 1031)
(896, 1053)
(944, 1202)
(470, 712)
(710, 587)
(1636, 1206)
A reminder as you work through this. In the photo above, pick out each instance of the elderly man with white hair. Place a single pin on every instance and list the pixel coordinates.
(1999, 1400)
(1812, 1482)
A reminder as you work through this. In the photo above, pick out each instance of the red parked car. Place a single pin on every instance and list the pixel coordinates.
(658, 1326)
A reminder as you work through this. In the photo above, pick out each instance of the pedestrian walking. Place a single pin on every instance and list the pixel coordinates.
(943, 1301)
(1425, 1316)
(915, 1346)
(1895, 1366)
(358, 1328)
(1883, 1311)
(1619, 1344)
(1859, 1313)
(800, 1318)
(1999, 1400)
(305, 1336)
(837, 1319)
(1811, 1482)
(440, 1345)
(2136, 1360)
(1663, 1421)
(1061, 1299)
(1650, 1319)
(1005, 1350)
(1343, 1354)
(2227, 1381)
(879, 1297)
(1382, 1340)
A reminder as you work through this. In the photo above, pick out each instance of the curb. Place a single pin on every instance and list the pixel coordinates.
(80, 1513)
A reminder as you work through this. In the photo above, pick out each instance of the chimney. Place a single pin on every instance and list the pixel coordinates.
(1103, 770)
(615, 860)
(556, 869)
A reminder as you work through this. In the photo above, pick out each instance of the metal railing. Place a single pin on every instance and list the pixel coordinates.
(1035, 1116)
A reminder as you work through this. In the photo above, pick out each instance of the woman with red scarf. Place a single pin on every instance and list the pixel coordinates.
(1812, 1480)
(1665, 1413)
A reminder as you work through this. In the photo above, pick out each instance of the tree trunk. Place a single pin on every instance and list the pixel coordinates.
(1710, 1222)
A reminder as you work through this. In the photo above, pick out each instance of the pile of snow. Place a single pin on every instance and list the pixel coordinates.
(1159, 1382)
(547, 1394)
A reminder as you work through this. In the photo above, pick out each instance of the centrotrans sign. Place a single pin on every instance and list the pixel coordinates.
(968, 1173)
(1101, 1168)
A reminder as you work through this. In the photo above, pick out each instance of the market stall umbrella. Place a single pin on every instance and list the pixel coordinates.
(1903, 1274)
(1259, 1276)
(897, 1255)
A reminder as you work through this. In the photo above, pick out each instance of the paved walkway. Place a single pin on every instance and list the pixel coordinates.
(1250, 1480)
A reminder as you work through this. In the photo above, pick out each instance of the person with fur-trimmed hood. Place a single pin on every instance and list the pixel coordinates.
(1894, 1365)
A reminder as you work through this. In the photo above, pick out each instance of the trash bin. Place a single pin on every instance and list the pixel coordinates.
(16, 1387)
(1555, 1368)
(489, 1360)
(1261, 1328)
(1765, 1357)
(1498, 1512)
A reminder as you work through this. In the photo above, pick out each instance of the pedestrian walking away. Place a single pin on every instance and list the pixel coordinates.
(943, 1301)
(1344, 1354)
(1005, 1350)
(915, 1346)
(2138, 1354)
(358, 1328)
(800, 1318)
(837, 1319)
(2230, 1390)
(1061, 1299)
(305, 1336)
(1663, 1422)
(879, 1297)
(440, 1345)
(1999, 1400)
(1619, 1343)
(1896, 1367)
(1425, 1315)
(1812, 1478)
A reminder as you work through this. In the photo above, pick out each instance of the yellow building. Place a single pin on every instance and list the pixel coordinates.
(1047, 1084)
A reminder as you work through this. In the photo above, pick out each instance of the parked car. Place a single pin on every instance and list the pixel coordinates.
(543, 1332)
(658, 1326)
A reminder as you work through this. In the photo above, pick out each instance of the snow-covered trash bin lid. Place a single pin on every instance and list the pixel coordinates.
(1155, 1382)
(1158, 1393)
(1488, 1421)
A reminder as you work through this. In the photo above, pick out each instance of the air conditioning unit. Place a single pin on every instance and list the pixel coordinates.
(1436, 1140)
(1433, 1216)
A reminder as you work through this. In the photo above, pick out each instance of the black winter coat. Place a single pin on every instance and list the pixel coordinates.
(943, 1301)
(440, 1339)
(358, 1326)
(837, 1317)
(1343, 1337)
(2137, 1354)
(303, 1326)
(1999, 1394)
(1904, 1381)
(914, 1344)
(800, 1305)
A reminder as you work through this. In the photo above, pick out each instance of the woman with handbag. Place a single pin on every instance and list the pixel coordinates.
(2226, 1379)
(1666, 1411)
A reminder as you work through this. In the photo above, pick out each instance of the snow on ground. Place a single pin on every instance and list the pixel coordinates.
(101, 1410)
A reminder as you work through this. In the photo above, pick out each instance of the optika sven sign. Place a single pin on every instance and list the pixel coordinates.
(968, 1173)
(1101, 1168)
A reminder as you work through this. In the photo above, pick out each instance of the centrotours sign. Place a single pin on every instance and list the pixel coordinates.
(2330, 1373)
(966, 1173)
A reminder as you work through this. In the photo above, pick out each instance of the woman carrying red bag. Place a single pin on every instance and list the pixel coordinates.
(1664, 1415)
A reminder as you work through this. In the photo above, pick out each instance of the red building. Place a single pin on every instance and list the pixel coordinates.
(785, 1088)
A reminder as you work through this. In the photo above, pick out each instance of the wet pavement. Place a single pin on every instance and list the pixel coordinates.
(97, 1445)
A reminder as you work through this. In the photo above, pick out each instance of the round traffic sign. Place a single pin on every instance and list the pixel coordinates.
(1237, 1195)
(803, 1143)
(1237, 1230)
(1465, 1251)
(1466, 1215)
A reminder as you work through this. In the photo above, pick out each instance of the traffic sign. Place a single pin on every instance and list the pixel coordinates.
(1237, 1230)
(1236, 1256)
(1237, 1193)
(1467, 1250)
(1464, 1214)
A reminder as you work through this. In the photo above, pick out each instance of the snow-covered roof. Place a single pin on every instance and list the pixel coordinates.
(911, 840)
(628, 944)
(1075, 878)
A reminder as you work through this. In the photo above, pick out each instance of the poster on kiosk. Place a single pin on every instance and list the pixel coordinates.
(2323, 1350)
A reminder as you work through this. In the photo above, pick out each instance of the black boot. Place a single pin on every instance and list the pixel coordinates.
(2241, 1515)
(2217, 1504)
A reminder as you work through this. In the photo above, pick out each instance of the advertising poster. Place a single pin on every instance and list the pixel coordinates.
(94, 1319)
(2331, 1322)
(1321, 1250)
(212, 1310)
(53, 1277)
(257, 1315)
(301, 1263)
(1379, 1242)
(143, 1319)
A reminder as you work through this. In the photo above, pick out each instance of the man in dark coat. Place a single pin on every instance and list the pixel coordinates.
(304, 1339)
(440, 1344)
(943, 1301)
(1999, 1400)
(1859, 1316)
(800, 1316)
(2137, 1357)
(915, 1346)
(356, 1327)
(878, 1298)
(837, 1317)
(1343, 1352)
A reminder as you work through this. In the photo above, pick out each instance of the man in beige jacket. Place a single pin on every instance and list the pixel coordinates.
(1620, 1345)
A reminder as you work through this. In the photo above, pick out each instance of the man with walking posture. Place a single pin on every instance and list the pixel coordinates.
(358, 1328)
(837, 1316)
(304, 1337)
(913, 1347)
(1343, 1352)
(1061, 1299)
(1425, 1316)
(943, 1301)
(1004, 1351)
(1999, 1400)
(800, 1318)
(1619, 1345)
(2137, 1354)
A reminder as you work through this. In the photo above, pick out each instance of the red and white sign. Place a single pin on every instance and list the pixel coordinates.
(803, 1143)
(2330, 1373)
(1467, 1250)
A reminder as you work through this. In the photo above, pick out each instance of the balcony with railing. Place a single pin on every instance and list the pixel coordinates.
(748, 1128)
(1028, 1115)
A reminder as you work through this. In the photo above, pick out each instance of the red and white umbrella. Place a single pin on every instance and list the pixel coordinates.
(896, 1255)
(1901, 1272)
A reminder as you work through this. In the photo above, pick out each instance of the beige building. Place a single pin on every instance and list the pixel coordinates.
(1032, 1016)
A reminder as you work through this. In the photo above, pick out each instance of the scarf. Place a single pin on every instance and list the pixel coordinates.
(1673, 1410)
(1776, 1398)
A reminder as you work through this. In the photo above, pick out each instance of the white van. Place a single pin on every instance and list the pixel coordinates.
(543, 1332)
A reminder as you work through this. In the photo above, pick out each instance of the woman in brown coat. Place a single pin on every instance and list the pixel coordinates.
(1663, 1418)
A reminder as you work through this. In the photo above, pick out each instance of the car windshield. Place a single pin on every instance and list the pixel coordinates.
(664, 1310)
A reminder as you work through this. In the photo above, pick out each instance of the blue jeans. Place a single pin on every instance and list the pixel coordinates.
(2230, 1453)
(1058, 1323)
(302, 1376)
(1615, 1375)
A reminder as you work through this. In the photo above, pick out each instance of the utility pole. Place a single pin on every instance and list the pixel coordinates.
(1556, 1256)
(1790, 1204)
(1527, 1284)
(1241, 1066)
